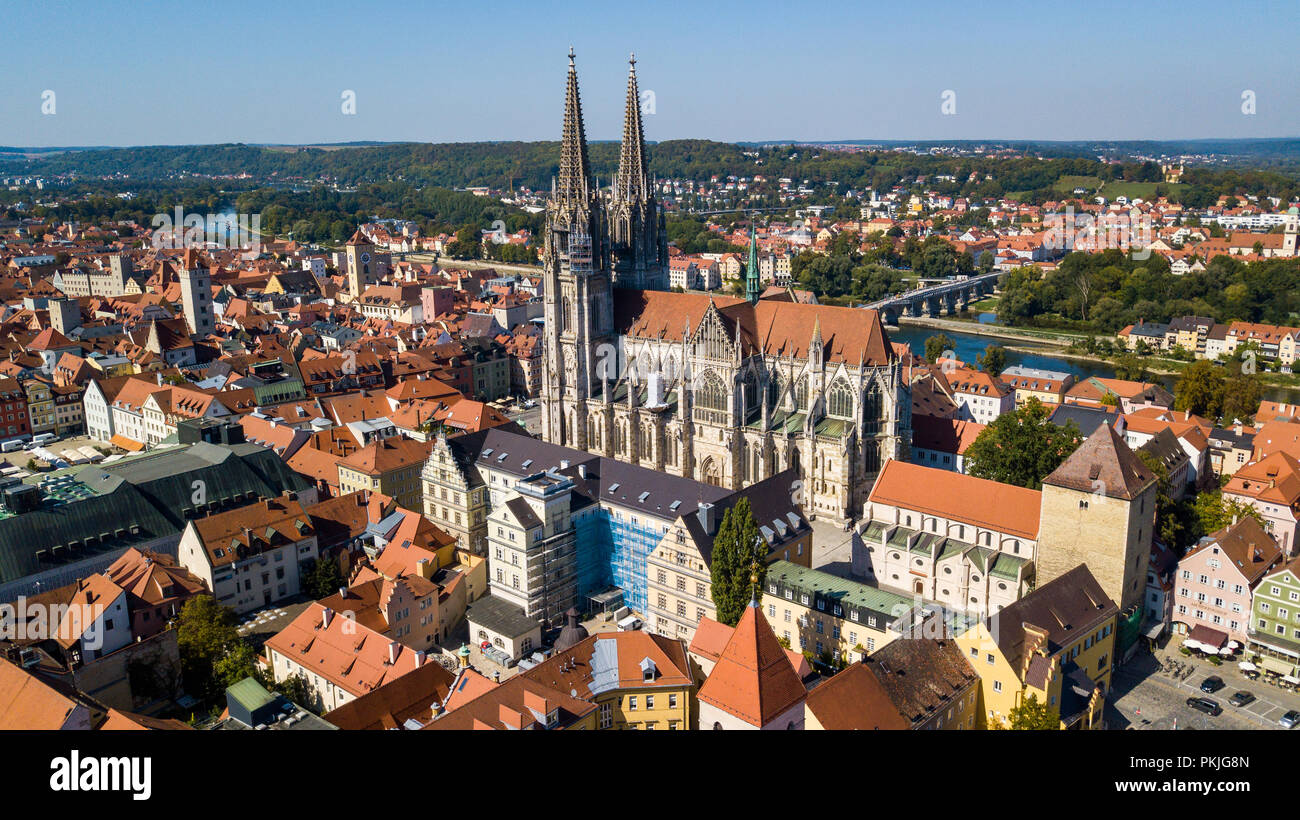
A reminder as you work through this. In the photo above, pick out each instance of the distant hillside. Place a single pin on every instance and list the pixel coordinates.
(1274, 171)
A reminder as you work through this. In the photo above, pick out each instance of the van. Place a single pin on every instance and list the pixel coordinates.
(41, 440)
(629, 623)
(11, 445)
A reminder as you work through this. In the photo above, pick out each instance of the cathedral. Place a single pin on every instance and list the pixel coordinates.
(724, 390)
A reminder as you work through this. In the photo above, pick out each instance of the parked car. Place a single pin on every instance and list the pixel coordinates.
(1289, 720)
(1242, 698)
(1205, 705)
(1212, 684)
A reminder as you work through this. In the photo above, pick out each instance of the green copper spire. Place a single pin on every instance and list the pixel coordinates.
(751, 267)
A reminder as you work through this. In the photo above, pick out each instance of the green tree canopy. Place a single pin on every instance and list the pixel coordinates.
(1022, 447)
(1032, 714)
(993, 360)
(936, 345)
(738, 552)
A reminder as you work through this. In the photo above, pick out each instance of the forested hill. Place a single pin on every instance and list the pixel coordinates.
(503, 165)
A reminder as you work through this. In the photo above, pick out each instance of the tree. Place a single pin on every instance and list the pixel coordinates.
(1176, 521)
(1032, 714)
(1200, 389)
(205, 634)
(239, 662)
(993, 360)
(1213, 512)
(1241, 396)
(936, 345)
(325, 578)
(738, 553)
(1022, 447)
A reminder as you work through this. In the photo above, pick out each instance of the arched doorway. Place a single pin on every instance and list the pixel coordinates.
(919, 588)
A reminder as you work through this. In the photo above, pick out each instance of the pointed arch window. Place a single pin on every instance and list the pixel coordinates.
(839, 400)
(711, 394)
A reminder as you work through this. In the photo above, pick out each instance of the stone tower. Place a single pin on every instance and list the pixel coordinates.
(1290, 231)
(359, 253)
(196, 294)
(1099, 509)
(577, 285)
(637, 230)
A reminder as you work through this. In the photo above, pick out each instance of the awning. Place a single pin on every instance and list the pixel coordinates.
(1276, 666)
(1206, 636)
(1290, 679)
(1153, 631)
(128, 444)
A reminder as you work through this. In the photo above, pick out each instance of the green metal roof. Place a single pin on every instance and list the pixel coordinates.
(835, 588)
(250, 694)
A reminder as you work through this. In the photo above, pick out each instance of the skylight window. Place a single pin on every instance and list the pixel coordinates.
(613, 487)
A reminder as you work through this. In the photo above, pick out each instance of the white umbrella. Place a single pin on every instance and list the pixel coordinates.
(1233, 645)
(1191, 644)
(1247, 666)
(1209, 650)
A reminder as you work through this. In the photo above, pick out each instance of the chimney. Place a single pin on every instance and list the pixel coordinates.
(706, 516)
(326, 616)
(343, 592)
(436, 710)
(419, 657)
(582, 470)
(392, 652)
(564, 464)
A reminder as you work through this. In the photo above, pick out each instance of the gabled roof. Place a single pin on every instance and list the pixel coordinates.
(977, 501)
(753, 679)
(1103, 463)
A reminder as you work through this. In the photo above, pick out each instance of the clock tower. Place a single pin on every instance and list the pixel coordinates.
(360, 253)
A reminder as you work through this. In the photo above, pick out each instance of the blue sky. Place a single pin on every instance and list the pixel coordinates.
(148, 73)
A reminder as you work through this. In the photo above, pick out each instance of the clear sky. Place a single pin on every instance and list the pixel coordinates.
(149, 73)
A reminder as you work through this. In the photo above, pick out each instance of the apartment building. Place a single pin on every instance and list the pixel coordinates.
(1057, 644)
(1216, 578)
(251, 556)
(829, 616)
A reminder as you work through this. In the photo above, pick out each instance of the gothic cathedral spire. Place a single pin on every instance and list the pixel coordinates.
(632, 184)
(575, 170)
(637, 230)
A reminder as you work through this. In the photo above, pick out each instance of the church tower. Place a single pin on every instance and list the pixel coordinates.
(579, 305)
(638, 232)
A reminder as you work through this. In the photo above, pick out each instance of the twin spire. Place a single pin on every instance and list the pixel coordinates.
(574, 182)
(575, 169)
(632, 181)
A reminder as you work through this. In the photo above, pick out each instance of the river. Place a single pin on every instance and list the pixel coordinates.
(1045, 357)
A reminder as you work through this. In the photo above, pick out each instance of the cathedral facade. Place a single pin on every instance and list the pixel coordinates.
(724, 390)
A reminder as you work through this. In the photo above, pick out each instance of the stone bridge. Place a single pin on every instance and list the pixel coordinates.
(950, 296)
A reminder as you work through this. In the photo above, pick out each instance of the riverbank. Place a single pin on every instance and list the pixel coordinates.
(1058, 338)
(1052, 345)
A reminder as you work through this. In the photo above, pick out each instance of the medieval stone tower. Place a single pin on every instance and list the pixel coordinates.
(1099, 509)
(196, 294)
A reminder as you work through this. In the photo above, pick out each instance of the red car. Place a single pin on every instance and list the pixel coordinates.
(485, 645)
